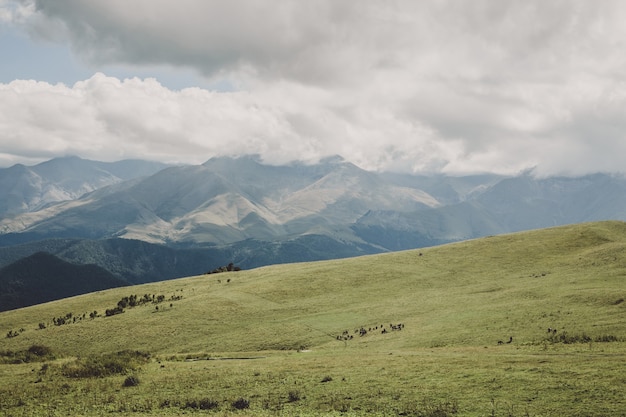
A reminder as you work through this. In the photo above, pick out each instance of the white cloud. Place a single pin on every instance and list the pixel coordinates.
(410, 86)
(16, 13)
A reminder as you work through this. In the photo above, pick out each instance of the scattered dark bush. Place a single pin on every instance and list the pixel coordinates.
(327, 378)
(207, 404)
(131, 381)
(113, 311)
(294, 396)
(35, 353)
(123, 303)
(229, 268)
(40, 350)
(241, 404)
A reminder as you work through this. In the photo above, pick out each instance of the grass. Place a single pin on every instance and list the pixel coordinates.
(266, 343)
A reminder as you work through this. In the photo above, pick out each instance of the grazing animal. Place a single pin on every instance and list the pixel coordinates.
(510, 339)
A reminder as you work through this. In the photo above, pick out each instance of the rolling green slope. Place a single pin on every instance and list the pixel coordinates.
(471, 293)
(453, 304)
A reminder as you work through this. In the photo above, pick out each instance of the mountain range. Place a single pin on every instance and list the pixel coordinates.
(145, 221)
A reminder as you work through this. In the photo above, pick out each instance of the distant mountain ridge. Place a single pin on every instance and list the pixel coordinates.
(230, 200)
(145, 222)
(224, 201)
(26, 189)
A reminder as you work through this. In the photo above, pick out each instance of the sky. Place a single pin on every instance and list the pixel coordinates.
(435, 86)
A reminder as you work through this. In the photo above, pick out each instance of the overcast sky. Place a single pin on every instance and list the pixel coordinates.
(412, 86)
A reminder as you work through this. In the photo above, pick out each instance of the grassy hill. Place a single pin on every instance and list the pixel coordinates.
(284, 330)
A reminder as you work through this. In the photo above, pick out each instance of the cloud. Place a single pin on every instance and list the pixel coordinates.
(108, 119)
(16, 13)
(408, 86)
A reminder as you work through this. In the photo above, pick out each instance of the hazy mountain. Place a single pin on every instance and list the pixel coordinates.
(509, 205)
(224, 201)
(446, 189)
(42, 277)
(187, 220)
(141, 223)
(26, 189)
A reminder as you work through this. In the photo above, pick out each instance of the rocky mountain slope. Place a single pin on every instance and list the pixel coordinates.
(144, 226)
(224, 201)
(26, 189)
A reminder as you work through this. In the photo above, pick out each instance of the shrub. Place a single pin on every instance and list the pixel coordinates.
(113, 311)
(35, 353)
(203, 404)
(294, 396)
(41, 351)
(131, 381)
(327, 378)
(241, 404)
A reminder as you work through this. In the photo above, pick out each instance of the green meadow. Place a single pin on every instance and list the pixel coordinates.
(454, 330)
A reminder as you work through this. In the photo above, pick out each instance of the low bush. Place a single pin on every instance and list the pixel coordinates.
(202, 404)
(105, 365)
(566, 338)
(241, 404)
(113, 311)
(294, 396)
(35, 353)
(131, 381)
(41, 351)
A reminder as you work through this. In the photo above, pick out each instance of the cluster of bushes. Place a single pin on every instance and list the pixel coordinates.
(14, 333)
(35, 353)
(113, 311)
(67, 319)
(130, 301)
(134, 301)
(98, 366)
(230, 267)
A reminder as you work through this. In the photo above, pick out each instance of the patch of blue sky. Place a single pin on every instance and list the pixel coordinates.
(26, 59)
